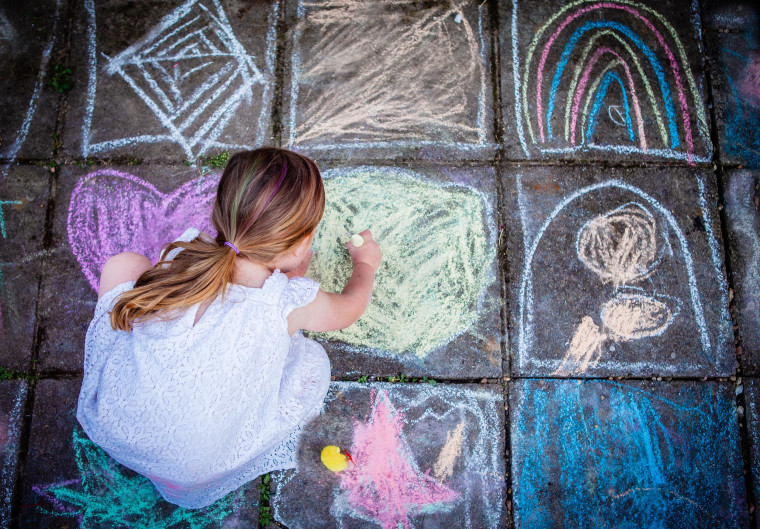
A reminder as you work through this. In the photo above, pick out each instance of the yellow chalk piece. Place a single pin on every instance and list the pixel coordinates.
(333, 459)
(357, 240)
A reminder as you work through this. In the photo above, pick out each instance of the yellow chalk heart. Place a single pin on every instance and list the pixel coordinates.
(333, 459)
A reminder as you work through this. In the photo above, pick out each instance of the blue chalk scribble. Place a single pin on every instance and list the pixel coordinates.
(605, 454)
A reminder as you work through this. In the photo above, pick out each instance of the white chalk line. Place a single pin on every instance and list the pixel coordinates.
(31, 109)
(517, 83)
(11, 452)
(626, 149)
(722, 281)
(526, 336)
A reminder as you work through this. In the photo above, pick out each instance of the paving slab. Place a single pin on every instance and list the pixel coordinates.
(751, 388)
(99, 213)
(734, 46)
(617, 81)
(388, 80)
(626, 454)
(742, 199)
(436, 306)
(423, 456)
(171, 80)
(616, 272)
(12, 401)
(31, 35)
(70, 482)
(24, 193)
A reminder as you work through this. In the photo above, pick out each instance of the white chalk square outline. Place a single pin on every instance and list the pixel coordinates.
(481, 144)
(218, 122)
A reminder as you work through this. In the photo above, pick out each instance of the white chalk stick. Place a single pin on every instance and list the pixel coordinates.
(357, 240)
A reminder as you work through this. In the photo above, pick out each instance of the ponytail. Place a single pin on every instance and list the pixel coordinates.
(267, 201)
(201, 271)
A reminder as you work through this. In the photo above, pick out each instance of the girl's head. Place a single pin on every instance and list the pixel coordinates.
(268, 201)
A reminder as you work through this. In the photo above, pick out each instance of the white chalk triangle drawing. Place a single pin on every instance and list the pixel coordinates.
(193, 74)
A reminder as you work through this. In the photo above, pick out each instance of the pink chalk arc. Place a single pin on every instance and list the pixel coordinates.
(632, 87)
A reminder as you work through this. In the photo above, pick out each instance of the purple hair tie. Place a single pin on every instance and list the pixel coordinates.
(228, 243)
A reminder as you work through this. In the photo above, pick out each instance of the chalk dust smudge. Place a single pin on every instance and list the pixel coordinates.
(452, 449)
(403, 70)
(10, 436)
(436, 256)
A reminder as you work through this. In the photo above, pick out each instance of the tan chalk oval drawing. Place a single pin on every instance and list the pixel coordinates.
(621, 245)
(632, 316)
(438, 247)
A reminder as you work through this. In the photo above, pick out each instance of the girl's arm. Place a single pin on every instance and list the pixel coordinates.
(330, 312)
(122, 267)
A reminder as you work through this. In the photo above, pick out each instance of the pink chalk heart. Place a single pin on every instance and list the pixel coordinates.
(112, 212)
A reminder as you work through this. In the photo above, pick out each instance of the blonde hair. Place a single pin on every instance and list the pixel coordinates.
(267, 201)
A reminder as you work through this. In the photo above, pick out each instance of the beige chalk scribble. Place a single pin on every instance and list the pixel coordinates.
(436, 256)
(452, 449)
(379, 71)
(633, 317)
(630, 315)
(585, 347)
(621, 245)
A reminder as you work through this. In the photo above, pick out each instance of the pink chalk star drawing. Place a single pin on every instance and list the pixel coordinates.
(386, 484)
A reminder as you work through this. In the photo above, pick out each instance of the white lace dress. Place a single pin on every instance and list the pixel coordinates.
(201, 410)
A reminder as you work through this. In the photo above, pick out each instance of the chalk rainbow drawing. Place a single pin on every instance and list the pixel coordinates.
(193, 74)
(438, 242)
(626, 455)
(10, 436)
(615, 43)
(106, 494)
(111, 212)
(620, 247)
(403, 71)
(388, 485)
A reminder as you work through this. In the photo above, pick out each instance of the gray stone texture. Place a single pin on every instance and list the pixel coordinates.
(626, 34)
(752, 412)
(171, 76)
(31, 35)
(12, 402)
(410, 445)
(144, 198)
(626, 275)
(375, 80)
(733, 43)
(626, 454)
(742, 196)
(24, 194)
(471, 350)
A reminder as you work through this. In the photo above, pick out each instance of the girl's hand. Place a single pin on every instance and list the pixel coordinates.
(368, 253)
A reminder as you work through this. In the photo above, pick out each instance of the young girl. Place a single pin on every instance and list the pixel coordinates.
(196, 374)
